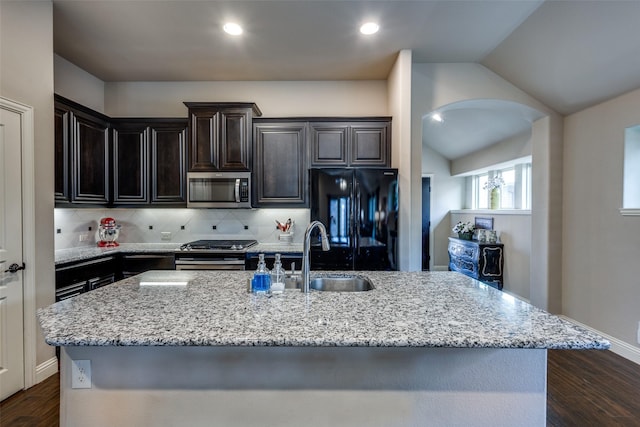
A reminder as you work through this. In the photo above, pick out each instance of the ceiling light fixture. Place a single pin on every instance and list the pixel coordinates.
(369, 28)
(232, 28)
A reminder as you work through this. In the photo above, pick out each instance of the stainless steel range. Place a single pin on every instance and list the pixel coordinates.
(213, 255)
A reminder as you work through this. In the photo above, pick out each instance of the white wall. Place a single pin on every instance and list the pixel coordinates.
(601, 284)
(437, 85)
(26, 46)
(78, 85)
(514, 231)
(447, 193)
(406, 156)
(71, 224)
(516, 147)
(274, 98)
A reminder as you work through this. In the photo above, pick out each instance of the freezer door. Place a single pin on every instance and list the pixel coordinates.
(376, 219)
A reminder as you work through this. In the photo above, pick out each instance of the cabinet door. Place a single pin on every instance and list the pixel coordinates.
(329, 142)
(62, 187)
(234, 140)
(203, 139)
(280, 166)
(90, 161)
(168, 163)
(370, 144)
(130, 164)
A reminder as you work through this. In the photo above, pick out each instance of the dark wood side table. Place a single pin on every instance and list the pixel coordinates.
(481, 260)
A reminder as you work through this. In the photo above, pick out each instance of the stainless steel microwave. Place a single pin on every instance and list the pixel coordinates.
(219, 189)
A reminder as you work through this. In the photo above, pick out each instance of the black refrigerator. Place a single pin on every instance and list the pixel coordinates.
(359, 208)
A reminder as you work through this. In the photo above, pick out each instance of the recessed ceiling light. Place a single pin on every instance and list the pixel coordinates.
(369, 28)
(232, 28)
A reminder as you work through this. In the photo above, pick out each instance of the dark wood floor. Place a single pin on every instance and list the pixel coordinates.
(585, 388)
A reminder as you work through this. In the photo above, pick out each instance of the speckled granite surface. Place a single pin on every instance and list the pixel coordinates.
(63, 256)
(422, 309)
(276, 247)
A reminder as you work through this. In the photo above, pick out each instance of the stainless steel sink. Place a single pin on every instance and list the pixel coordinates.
(341, 283)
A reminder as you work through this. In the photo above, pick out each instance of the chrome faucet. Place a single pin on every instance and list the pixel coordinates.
(307, 247)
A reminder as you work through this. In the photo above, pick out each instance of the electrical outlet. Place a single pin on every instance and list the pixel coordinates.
(81, 374)
(83, 237)
(165, 235)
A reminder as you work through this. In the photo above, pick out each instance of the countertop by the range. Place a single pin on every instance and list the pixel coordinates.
(406, 309)
(63, 256)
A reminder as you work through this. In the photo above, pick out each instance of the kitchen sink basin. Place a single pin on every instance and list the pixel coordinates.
(341, 283)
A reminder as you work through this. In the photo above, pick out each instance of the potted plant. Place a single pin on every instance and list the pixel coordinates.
(493, 185)
(464, 229)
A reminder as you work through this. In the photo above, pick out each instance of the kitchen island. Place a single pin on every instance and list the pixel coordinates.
(426, 348)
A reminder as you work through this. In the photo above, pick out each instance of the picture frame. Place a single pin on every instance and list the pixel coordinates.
(484, 223)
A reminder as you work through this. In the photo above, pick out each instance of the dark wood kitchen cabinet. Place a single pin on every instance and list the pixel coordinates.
(350, 142)
(280, 164)
(220, 135)
(149, 165)
(62, 156)
(82, 154)
(78, 277)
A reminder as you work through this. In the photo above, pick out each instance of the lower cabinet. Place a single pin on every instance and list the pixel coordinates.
(75, 278)
(482, 261)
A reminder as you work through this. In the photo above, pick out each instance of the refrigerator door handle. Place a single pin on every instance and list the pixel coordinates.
(356, 216)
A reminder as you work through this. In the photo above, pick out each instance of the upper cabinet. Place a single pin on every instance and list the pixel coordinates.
(149, 161)
(81, 154)
(280, 164)
(351, 142)
(118, 162)
(220, 136)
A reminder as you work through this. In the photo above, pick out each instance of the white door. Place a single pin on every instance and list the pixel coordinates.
(11, 283)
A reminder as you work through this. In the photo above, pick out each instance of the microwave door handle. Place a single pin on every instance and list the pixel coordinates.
(237, 192)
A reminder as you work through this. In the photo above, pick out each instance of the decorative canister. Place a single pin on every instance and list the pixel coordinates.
(491, 236)
(482, 235)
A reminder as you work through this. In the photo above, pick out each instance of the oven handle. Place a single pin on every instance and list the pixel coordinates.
(237, 190)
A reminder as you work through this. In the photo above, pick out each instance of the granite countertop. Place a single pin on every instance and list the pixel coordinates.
(63, 256)
(417, 309)
(84, 253)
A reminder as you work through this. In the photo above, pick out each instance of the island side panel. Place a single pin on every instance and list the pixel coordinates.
(311, 386)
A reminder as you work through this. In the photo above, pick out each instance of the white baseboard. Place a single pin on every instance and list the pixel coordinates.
(619, 347)
(440, 268)
(46, 369)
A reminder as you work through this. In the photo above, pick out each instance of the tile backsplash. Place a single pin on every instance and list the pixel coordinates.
(79, 227)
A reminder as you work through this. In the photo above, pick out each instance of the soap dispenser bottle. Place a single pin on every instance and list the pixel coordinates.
(261, 282)
(277, 276)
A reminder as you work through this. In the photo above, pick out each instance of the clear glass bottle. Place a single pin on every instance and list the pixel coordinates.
(261, 282)
(277, 276)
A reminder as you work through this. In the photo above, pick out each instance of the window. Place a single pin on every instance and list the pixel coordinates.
(515, 189)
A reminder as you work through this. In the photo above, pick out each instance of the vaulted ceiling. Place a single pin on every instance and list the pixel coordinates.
(567, 54)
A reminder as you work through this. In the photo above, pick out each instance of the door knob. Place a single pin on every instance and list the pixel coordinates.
(13, 268)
